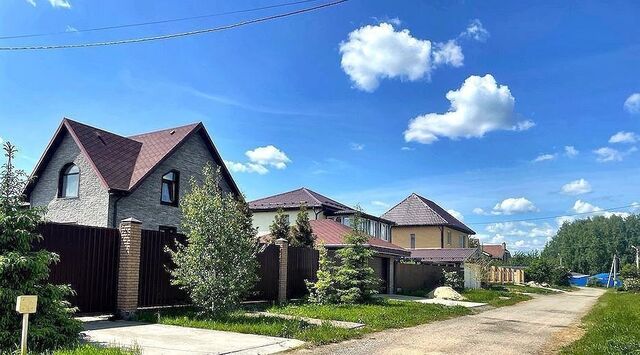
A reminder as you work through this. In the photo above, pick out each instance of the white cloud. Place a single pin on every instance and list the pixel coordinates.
(577, 187)
(632, 103)
(380, 203)
(506, 228)
(31, 2)
(586, 208)
(246, 167)
(356, 146)
(456, 214)
(60, 3)
(476, 31)
(545, 231)
(635, 206)
(395, 21)
(478, 107)
(544, 157)
(564, 219)
(407, 148)
(606, 154)
(571, 151)
(268, 155)
(478, 210)
(520, 243)
(71, 29)
(624, 137)
(372, 53)
(513, 206)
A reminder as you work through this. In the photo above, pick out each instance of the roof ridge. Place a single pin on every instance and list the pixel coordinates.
(311, 192)
(94, 128)
(278, 194)
(164, 129)
(427, 203)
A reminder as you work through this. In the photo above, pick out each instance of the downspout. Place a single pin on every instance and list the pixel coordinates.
(441, 237)
(316, 212)
(114, 217)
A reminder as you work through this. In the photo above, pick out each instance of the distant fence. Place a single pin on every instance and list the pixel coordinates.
(88, 262)
(411, 277)
(506, 274)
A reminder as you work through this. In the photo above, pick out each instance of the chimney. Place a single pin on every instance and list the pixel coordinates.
(504, 245)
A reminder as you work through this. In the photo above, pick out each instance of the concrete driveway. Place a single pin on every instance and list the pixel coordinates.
(525, 328)
(155, 339)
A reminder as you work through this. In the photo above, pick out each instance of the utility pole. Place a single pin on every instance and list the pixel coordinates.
(637, 256)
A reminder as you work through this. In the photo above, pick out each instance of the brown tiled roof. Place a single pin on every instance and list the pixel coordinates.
(122, 163)
(416, 210)
(444, 255)
(297, 198)
(494, 250)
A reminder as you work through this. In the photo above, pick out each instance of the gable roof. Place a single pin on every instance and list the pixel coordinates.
(297, 198)
(444, 255)
(495, 250)
(122, 163)
(416, 210)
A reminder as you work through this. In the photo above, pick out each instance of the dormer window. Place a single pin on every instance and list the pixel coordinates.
(69, 181)
(170, 188)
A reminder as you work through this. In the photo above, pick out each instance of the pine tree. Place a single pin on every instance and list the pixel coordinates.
(218, 265)
(24, 271)
(280, 226)
(301, 232)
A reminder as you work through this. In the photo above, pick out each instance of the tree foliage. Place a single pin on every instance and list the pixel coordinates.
(24, 271)
(543, 270)
(324, 290)
(588, 245)
(280, 229)
(218, 265)
(301, 232)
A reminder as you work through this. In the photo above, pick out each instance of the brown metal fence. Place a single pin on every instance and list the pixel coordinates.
(268, 277)
(411, 277)
(155, 288)
(302, 264)
(88, 262)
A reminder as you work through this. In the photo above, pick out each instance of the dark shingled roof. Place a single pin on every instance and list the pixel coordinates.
(122, 163)
(297, 198)
(416, 210)
(444, 255)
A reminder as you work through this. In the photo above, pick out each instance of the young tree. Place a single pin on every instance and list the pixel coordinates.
(280, 226)
(24, 271)
(323, 291)
(355, 278)
(218, 265)
(301, 233)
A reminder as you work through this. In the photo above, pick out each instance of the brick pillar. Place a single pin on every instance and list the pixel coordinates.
(282, 273)
(129, 267)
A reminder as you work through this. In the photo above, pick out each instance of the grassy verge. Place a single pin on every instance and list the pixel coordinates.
(94, 350)
(612, 326)
(495, 297)
(376, 316)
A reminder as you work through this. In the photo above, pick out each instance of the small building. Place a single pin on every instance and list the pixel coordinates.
(496, 251)
(318, 207)
(448, 256)
(420, 223)
(93, 177)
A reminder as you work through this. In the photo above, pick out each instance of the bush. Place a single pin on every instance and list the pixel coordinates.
(542, 271)
(453, 280)
(630, 276)
(218, 266)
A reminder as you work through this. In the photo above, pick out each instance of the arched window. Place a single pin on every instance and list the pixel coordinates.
(69, 182)
(170, 188)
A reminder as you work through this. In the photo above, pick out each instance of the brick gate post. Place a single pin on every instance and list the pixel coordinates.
(129, 267)
(282, 269)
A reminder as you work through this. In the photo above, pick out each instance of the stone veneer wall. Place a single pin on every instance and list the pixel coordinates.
(91, 206)
(144, 203)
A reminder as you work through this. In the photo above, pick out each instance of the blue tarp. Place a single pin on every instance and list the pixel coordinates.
(581, 280)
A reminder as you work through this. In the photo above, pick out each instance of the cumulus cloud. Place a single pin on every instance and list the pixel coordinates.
(246, 167)
(356, 146)
(624, 137)
(513, 206)
(571, 151)
(506, 228)
(478, 210)
(576, 187)
(268, 155)
(65, 4)
(376, 52)
(606, 154)
(476, 31)
(544, 157)
(478, 107)
(456, 214)
(31, 2)
(632, 103)
(587, 208)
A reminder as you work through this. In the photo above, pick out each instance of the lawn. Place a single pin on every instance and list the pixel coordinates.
(495, 297)
(377, 316)
(94, 350)
(612, 326)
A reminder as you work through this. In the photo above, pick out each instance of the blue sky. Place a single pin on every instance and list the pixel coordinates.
(353, 99)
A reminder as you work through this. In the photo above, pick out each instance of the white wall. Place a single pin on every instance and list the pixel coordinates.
(262, 220)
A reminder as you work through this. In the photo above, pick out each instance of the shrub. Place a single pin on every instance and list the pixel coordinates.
(630, 276)
(301, 232)
(24, 271)
(453, 280)
(542, 271)
(323, 291)
(218, 266)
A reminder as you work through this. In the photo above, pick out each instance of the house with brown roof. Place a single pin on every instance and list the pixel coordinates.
(422, 224)
(94, 177)
(496, 251)
(318, 207)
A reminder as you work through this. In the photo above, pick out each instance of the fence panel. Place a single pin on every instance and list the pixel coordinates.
(302, 265)
(88, 262)
(268, 273)
(411, 277)
(155, 288)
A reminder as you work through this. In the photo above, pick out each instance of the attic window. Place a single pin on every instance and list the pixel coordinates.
(170, 188)
(69, 181)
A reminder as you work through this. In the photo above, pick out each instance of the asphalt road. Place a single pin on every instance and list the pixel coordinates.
(526, 328)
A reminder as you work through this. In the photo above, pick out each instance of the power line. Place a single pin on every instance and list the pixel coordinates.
(175, 35)
(138, 24)
(552, 217)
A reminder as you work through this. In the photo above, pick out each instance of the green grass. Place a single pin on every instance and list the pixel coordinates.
(241, 323)
(94, 350)
(377, 316)
(495, 297)
(612, 326)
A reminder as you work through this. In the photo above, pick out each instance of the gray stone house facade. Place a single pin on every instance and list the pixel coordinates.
(89, 176)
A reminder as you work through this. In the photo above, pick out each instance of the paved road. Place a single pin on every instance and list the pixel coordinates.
(524, 328)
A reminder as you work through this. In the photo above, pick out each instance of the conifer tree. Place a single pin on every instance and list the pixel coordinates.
(280, 226)
(301, 232)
